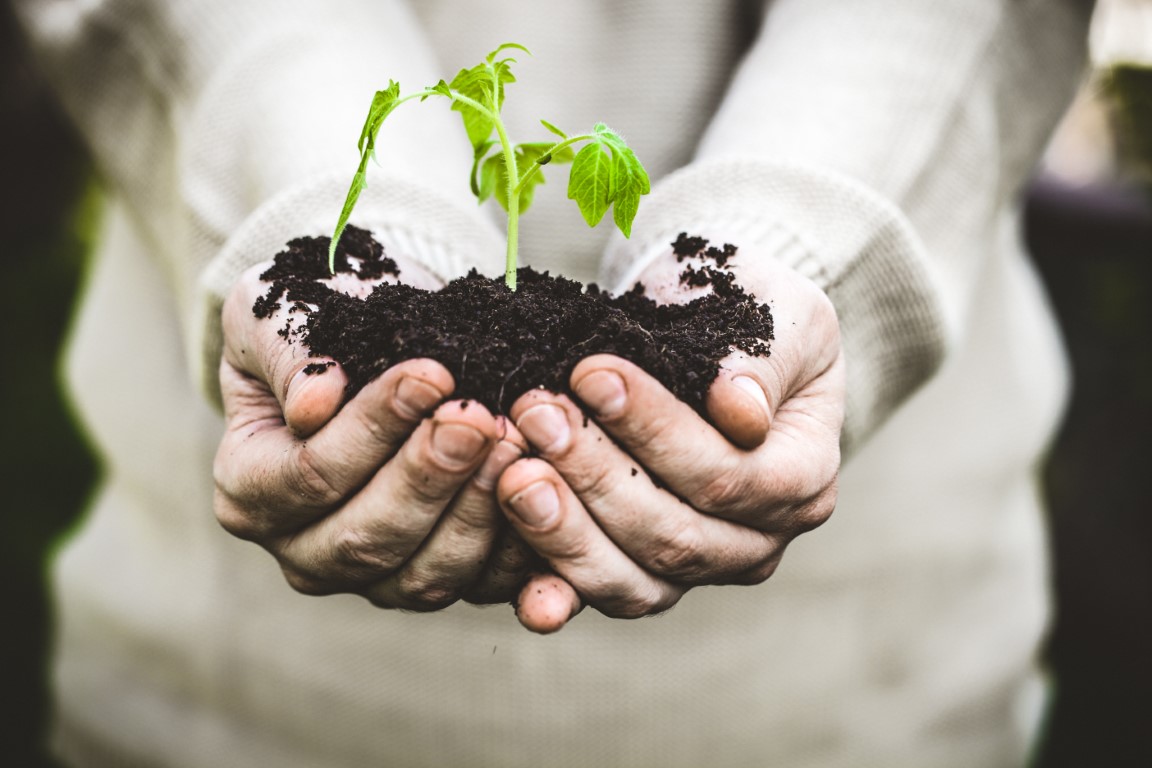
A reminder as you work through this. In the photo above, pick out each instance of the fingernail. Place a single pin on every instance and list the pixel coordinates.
(501, 455)
(603, 392)
(457, 445)
(546, 427)
(414, 397)
(296, 386)
(752, 388)
(537, 505)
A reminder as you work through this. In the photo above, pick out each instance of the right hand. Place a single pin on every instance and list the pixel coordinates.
(389, 495)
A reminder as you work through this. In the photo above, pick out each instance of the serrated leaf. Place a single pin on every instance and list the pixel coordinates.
(630, 183)
(476, 84)
(483, 84)
(624, 208)
(590, 182)
(629, 179)
(440, 88)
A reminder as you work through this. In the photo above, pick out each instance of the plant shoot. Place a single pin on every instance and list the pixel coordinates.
(605, 172)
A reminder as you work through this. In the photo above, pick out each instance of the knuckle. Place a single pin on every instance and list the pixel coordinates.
(594, 482)
(357, 551)
(643, 431)
(816, 515)
(723, 491)
(760, 573)
(635, 604)
(306, 583)
(679, 552)
(421, 592)
(234, 520)
(815, 512)
(309, 482)
(377, 431)
(573, 548)
(428, 489)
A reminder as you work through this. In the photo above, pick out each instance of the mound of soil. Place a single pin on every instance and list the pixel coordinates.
(498, 343)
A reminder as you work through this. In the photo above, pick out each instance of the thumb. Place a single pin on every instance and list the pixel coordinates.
(308, 390)
(313, 396)
(739, 407)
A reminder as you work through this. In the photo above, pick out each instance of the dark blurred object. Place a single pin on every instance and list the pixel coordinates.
(46, 215)
(1128, 88)
(1093, 245)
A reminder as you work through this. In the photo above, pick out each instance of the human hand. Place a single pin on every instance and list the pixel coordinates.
(389, 495)
(649, 499)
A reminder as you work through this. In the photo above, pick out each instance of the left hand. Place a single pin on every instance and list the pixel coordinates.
(633, 508)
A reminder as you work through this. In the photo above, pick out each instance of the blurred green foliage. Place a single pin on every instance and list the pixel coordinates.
(49, 207)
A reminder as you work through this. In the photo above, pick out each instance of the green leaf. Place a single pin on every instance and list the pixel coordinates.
(503, 47)
(631, 182)
(440, 88)
(483, 84)
(629, 179)
(564, 155)
(477, 157)
(383, 102)
(528, 154)
(494, 174)
(553, 129)
(493, 180)
(591, 182)
(477, 85)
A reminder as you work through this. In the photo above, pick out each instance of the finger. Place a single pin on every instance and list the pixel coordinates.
(652, 526)
(695, 460)
(271, 482)
(380, 528)
(506, 570)
(314, 395)
(265, 349)
(547, 603)
(457, 550)
(553, 522)
(738, 406)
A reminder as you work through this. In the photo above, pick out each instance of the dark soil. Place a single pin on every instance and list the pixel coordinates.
(498, 343)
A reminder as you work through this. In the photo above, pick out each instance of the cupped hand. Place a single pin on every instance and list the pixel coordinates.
(389, 495)
(647, 499)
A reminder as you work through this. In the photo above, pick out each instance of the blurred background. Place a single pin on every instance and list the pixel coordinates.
(1088, 225)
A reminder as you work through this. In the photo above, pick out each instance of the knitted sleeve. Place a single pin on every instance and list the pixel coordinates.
(230, 127)
(876, 146)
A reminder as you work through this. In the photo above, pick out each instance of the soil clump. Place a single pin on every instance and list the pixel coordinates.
(498, 343)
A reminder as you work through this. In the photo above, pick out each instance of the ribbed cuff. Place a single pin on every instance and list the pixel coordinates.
(852, 243)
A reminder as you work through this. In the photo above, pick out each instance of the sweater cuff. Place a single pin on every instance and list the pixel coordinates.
(404, 215)
(852, 243)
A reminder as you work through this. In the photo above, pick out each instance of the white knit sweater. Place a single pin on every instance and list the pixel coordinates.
(877, 146)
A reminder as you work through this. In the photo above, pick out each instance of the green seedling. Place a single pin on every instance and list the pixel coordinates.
(605, 172)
